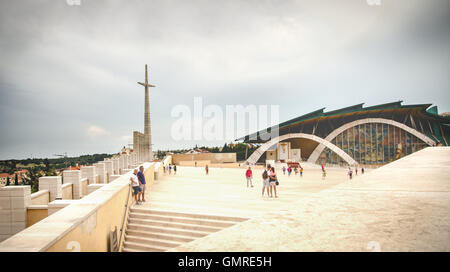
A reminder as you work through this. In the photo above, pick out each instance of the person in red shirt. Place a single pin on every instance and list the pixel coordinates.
(206, 169)
(249, 176)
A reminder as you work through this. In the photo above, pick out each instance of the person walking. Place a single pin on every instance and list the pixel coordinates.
(362, 170)
(174, 169)
(273, 182)
(296, 171)
(356, 170)
(265, 178)
(289, 170)
(301, 172)
(249, 176)
(284, 170)
(170, 169)
(141, 178)
(135, 185)
(324, 172)
(350, 173)
(206, 169)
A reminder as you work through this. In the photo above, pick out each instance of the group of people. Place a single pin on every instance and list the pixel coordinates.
(350, 172)
(174, 168)
(296, 170)
(269, 179)
(138, 185)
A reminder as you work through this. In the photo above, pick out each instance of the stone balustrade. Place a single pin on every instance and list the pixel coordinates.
(31, 219)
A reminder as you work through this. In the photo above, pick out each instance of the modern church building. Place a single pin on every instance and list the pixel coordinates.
(373, 135)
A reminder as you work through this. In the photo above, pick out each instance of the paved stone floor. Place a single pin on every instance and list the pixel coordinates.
(403, 206)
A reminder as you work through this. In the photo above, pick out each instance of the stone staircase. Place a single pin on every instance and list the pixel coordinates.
(160, 230)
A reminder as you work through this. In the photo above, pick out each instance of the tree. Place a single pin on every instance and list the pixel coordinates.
(16, 180)
(8, 182)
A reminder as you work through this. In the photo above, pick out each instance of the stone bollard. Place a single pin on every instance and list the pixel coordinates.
(14, 201)
(109, 170)
(116, 166)
(121, 163)
(101, 172)
(53, 184)
(89, 173)
(74, 177)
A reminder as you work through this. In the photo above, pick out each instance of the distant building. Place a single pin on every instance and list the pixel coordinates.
(4, 178)
(373, 135)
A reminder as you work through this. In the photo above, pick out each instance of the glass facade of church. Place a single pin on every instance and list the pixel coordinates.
(372, 143)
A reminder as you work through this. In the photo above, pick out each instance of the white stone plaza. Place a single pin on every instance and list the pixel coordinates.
(403, 206)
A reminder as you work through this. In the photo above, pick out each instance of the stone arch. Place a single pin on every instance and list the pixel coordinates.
(316, 153)
(264, 147)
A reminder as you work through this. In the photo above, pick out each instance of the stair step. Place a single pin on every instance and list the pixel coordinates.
(143, 247)
(192, 215)
(125, 249)
(173, 225)
(167, 230)
(158, 235)
(179, 219)
(151, 241)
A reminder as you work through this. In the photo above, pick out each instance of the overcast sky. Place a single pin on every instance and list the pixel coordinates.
(68, 74)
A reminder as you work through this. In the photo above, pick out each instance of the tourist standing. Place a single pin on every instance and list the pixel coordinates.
(141, 178)
(301, 172)
(170, 169)
(296, 170)
(362, 170)
(135, 185)
(284, 170)
(195, 164)
(273, 182)
(324, 173)
(289, 171)
(356, 171)
(174, 169)
(265, 177)
(350, 173)
(249, 176)
(206, 169)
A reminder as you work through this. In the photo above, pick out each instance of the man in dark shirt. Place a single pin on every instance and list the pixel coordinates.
(141, 178)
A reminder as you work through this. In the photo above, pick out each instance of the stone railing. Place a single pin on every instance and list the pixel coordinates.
(55, 220)
(56, 193)
(75, 224)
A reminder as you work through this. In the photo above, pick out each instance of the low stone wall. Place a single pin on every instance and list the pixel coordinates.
(40, 197)
(213, 157)
(159, 170)
(67, 191)
(84, 225)
(192, 163)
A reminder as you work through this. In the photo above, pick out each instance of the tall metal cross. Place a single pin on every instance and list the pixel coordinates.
(147, 129)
